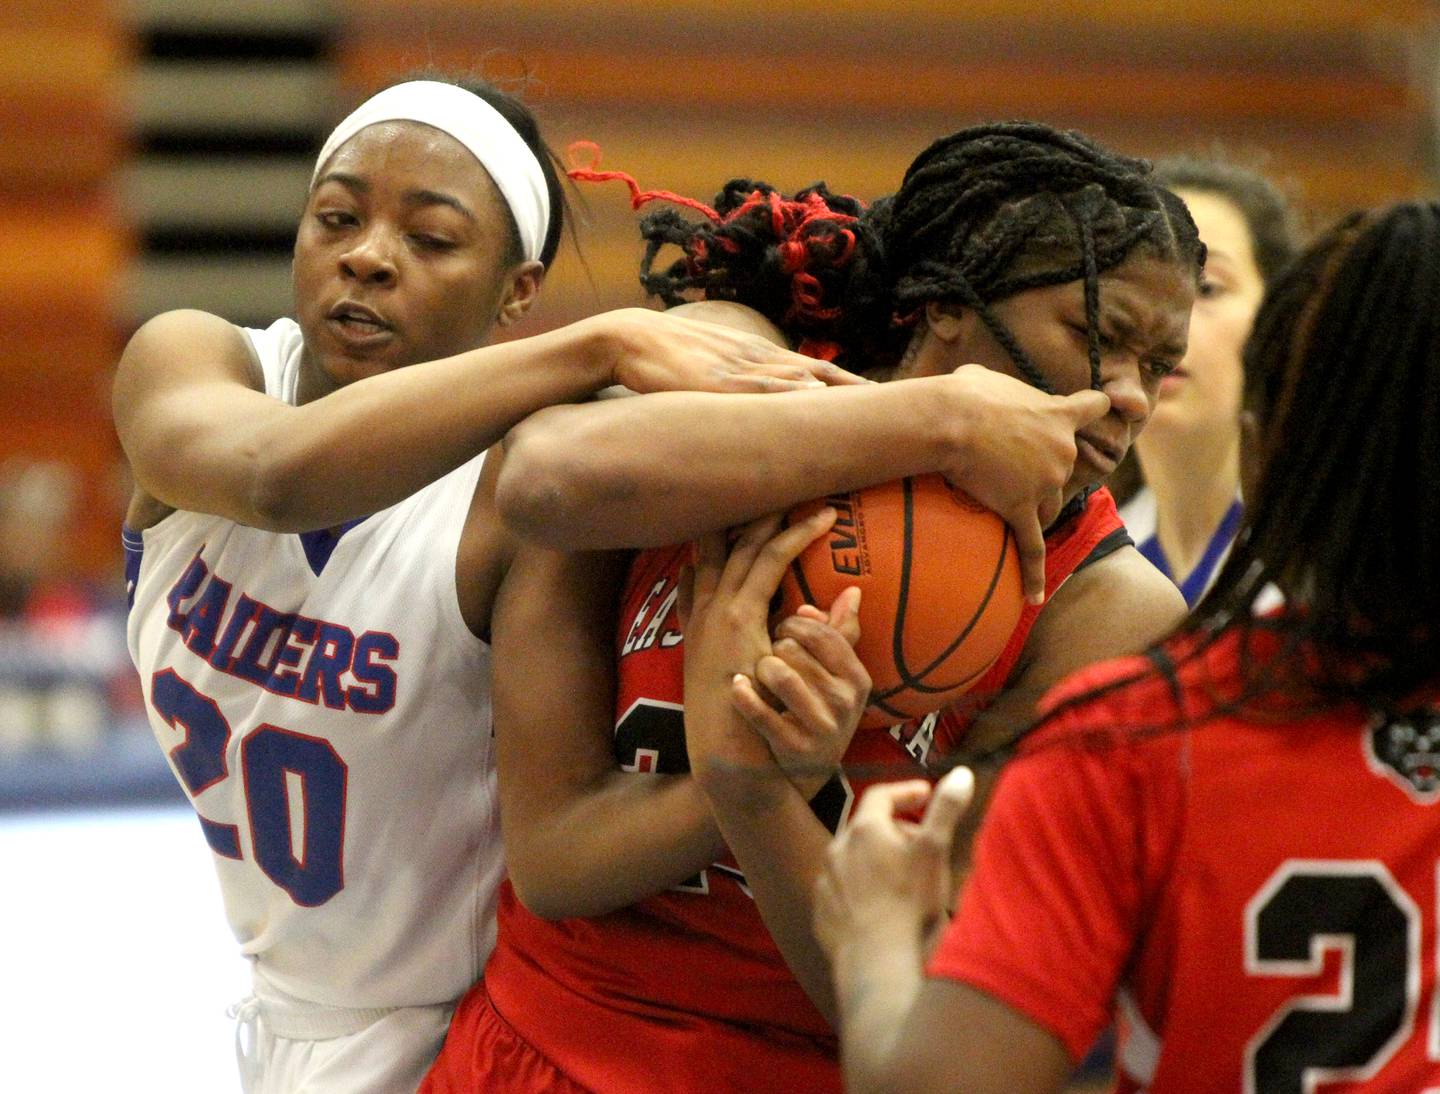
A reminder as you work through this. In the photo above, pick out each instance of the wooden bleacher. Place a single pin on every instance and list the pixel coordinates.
(1339, 95)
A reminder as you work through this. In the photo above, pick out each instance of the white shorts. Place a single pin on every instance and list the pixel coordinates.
(389, 1054)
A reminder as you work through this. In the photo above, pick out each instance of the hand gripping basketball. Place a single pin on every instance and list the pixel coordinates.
(940, 584)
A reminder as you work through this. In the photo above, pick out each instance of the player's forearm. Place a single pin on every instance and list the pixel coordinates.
(877, 980)
(625, 839)
(660, 469)
(780, 846)
(374, 442)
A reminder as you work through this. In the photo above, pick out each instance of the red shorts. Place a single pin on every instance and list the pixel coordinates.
(513, 1035)
(483, 1052)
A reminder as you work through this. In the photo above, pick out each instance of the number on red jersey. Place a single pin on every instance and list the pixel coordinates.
(1306, 909)
(650, 739)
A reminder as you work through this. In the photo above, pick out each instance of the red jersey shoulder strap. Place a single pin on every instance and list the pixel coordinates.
(1090, 535)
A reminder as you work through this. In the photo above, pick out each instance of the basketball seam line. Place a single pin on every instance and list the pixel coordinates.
(911, 679)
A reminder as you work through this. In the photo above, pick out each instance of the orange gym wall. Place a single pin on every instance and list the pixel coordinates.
(684, 95)
(63, 245)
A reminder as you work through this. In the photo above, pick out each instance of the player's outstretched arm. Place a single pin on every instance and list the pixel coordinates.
(668, 467)
(582, 837)
(201, 434)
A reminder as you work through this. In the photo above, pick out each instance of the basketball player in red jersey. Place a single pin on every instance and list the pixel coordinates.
(1033, 253)
(1234, 841)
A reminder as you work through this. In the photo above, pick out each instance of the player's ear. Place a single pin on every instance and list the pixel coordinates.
(521, 293)
(950, 322)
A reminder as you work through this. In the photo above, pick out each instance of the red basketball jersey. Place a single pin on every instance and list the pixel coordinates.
(685, 990)
(1254, 898)
(1086, 538)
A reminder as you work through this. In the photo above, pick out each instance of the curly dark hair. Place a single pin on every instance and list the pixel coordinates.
(981, 214)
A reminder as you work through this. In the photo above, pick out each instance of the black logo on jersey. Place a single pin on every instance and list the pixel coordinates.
(1406, 749)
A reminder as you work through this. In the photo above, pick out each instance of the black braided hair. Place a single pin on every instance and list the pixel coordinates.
(982, 214)
(1342, 370)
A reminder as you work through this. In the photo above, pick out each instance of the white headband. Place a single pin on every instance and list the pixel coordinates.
(479, 127)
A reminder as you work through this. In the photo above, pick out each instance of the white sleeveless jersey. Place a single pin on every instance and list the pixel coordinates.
(329, 718)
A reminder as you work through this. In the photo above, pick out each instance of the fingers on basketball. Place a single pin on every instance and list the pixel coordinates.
(940, 583)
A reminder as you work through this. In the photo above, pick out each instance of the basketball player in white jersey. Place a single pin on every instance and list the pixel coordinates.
(312, 554)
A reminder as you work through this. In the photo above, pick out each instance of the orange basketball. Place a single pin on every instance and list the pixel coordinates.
(940, 590)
